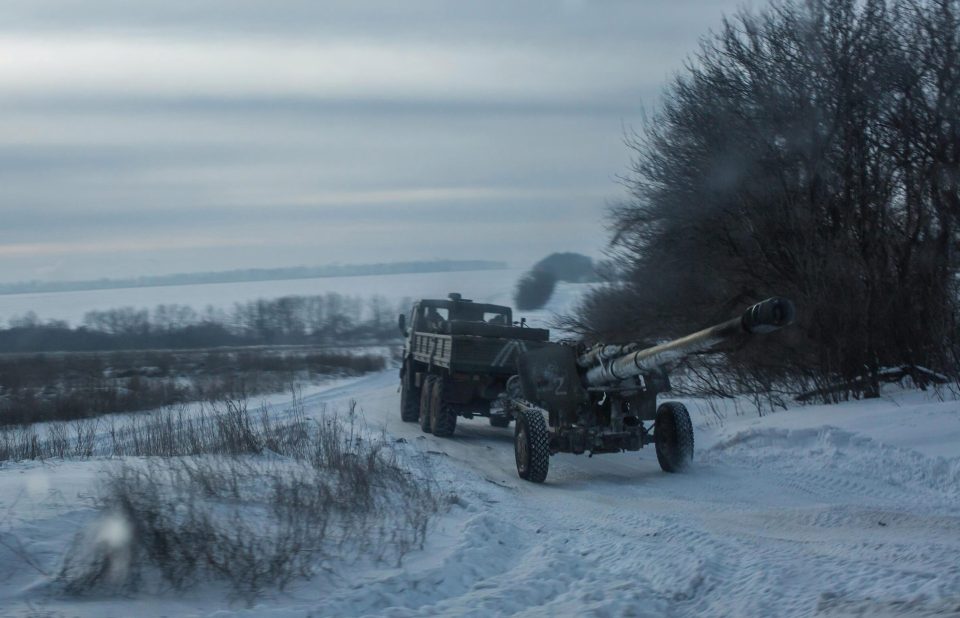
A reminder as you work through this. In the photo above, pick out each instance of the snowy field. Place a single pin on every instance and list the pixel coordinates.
(846, 510)
(485, 286)
(849, 510)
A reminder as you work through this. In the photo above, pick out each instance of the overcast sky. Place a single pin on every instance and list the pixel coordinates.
(156, 136)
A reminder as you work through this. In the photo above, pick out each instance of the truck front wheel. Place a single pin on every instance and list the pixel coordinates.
(444, 416)
(409, 396)
(673, 435)
(531, 445)
(426, 399)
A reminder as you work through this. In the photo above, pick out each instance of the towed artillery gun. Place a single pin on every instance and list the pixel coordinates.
(465, 359)
(599, 401)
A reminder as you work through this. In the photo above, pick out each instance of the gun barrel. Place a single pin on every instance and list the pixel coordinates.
(763, 317)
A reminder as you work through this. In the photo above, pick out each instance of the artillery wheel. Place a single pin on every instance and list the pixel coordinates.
(409, 396)
(531, 445)
(673, 435)
(443, 416)
(426, 400)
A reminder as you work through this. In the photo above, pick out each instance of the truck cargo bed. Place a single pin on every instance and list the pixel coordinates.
(472, 353)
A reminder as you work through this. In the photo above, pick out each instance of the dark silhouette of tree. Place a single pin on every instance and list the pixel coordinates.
(812, 150)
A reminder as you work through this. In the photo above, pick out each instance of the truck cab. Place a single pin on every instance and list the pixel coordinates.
(444, 316)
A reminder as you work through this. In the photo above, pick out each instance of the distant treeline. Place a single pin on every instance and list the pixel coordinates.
(291, 320)
(255, 274)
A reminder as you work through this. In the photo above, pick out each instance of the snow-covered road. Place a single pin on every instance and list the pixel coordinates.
(813, 511)
(792, 514)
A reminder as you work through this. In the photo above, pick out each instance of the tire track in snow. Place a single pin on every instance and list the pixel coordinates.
(843, 463)
(768, 522)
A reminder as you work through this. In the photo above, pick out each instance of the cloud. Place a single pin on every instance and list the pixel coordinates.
(579, 23)
(65, 65)
(187, 135)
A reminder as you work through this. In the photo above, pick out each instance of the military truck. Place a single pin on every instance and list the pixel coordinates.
(458, 357)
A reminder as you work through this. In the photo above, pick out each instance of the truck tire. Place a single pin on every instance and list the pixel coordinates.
(673, 435)
(444, 421)
(426, 398)
(409, 396)
(531, 445)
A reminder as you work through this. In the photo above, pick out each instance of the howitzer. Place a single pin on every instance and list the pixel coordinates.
(764, 317)
(600, 400)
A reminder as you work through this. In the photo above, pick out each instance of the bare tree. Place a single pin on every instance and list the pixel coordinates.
(811, 150)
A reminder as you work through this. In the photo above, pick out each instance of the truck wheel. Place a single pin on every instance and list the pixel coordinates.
(531, 444)
(673, 435)
(409, 396)
(426, 397)
(444, 416)
(500, 421)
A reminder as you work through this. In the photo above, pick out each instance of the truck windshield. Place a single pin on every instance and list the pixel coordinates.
(433, 318)
(496, 318)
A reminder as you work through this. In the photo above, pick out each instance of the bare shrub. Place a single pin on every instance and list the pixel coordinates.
(252, 499)
(225, 427)
(22, 443)
(85, 437)
(58, 440)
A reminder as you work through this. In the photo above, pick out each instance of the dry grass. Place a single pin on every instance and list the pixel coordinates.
(246, 498)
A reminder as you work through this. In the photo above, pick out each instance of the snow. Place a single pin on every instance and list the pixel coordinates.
(916, 413)
(839, 510)
(823, 509)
